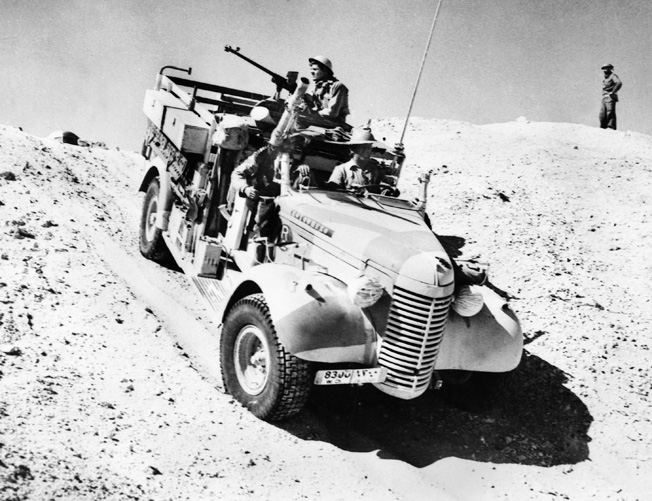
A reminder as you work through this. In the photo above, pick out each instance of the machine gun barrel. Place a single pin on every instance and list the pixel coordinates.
(279, 81)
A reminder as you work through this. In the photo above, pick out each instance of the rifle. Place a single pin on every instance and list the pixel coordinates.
(281, 83)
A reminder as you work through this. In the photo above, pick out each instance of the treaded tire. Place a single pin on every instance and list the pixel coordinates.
(152, 245)
(257, 371)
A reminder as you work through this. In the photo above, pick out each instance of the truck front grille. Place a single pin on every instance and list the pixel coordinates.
(411, 342)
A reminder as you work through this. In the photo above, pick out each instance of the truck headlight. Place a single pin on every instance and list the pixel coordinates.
(467, 303)
(365, 291)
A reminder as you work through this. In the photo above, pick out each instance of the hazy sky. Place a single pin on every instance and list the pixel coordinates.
(84, 65)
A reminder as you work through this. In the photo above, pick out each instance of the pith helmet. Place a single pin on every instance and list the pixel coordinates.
(362, 136)
(607, 66)
(323, 61)
(231, 134)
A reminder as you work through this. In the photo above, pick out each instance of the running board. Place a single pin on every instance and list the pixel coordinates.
(213, 291)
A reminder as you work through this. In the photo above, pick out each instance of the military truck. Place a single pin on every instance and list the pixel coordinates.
(355, 289)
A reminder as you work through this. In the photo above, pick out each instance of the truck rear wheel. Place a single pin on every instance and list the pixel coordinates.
(152, 245)
(257, 371)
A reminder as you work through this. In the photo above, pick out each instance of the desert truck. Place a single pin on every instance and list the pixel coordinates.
(356, 288)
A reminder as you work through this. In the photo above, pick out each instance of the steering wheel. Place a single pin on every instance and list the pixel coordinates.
(384, 189)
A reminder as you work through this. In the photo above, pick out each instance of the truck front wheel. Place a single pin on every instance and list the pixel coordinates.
(257, 371)
(152, 245)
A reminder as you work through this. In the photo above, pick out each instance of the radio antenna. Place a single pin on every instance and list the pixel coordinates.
(423, 61)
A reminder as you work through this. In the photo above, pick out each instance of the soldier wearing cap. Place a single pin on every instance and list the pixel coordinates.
(611, 84)
(330, 97)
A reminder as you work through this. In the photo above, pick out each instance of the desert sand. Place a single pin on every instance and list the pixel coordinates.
(110, 389)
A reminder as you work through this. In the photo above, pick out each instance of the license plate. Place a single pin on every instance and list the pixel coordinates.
(351, 376)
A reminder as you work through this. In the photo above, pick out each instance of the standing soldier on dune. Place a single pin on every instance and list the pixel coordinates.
(610, 86)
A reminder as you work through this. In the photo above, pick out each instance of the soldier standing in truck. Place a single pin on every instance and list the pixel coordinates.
(257, 180)
(253, 179)
(330, 97)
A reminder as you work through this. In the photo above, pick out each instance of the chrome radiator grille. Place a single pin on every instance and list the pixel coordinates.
(411, 342)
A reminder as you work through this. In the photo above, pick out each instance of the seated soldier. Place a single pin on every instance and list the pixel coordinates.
(361, 169)
(330, 97)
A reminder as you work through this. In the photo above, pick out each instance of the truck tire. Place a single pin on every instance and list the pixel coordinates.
(257, 371)
(152, 245)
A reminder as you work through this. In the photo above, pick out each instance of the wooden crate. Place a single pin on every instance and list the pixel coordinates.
(157, 102)
(186, 130)
(182, 127)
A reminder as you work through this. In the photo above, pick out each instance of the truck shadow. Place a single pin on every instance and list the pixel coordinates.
(539, 422)
(452, 244)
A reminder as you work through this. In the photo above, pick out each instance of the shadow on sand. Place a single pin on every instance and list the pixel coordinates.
(540, 422)
(452, 244)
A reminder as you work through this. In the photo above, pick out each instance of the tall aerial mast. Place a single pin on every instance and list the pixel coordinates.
(423, 61)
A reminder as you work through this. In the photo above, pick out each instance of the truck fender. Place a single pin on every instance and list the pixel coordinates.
(155, 167)
(490, 341)
(314, 317)
(159, 169)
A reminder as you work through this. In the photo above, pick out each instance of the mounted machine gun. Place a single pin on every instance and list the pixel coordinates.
(288, 83)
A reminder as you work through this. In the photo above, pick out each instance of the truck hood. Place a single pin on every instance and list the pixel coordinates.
(391, 237)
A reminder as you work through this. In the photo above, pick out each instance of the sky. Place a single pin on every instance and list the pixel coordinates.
(84, 65)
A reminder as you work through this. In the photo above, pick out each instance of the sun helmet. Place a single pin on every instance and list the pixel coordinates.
(362, 136)
(232, 133)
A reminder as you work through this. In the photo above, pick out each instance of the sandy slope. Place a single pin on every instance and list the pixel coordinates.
(108, 386)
